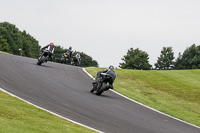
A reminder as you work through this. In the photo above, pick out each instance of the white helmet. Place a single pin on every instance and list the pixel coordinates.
(111, 67)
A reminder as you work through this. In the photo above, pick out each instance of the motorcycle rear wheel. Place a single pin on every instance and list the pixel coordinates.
(101, 89)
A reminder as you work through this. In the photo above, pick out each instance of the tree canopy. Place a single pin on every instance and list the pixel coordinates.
(58, 53)
(165, 61)
(13, 41)
(135, 59)
(3, 44)
(190, 58)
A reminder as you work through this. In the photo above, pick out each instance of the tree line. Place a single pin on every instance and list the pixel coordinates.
(13, 41)
(17, 42)
(138, 59)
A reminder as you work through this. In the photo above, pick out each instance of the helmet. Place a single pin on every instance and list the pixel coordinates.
(70, 48)
(51, 44)
(111, 67)
(78, 55)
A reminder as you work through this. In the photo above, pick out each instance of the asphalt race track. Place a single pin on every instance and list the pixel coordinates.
(64, 90)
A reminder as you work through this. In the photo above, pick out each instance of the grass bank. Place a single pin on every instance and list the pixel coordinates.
(174, 92)
(3, 52)
(17, 116)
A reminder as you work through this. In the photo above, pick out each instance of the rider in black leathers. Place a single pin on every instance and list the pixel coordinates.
(51, 48)
(110, 71)
(69, 52)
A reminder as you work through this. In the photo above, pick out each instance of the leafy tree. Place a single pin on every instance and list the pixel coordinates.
(12, 35)
(165, 61)
(58, 53)
(30, 45)
(178, 63)
(4, 45)
(190, 58)
(135, 59)
(18, 40)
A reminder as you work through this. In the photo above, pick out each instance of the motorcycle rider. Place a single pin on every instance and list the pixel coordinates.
(51, 48)
(76, 58)
(68, 52)
(110, 71)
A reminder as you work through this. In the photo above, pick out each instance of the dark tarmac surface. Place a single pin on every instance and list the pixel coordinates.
(64, 90)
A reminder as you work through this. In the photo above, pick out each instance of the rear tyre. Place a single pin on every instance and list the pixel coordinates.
(101, 89)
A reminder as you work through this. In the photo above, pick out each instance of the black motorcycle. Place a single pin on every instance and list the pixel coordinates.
(44, 57)
(64, 58)
(75, 61)
(102, 84)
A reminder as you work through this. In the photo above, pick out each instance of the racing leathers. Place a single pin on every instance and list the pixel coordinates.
(110, 72)
(51, 48)
(68, 52)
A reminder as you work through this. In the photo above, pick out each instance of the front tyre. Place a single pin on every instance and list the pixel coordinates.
(94, 87)
(92, 90)
(41, 60)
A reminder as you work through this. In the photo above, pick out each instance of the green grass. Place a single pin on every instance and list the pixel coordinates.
(17, 116)
(174, 92)
(3, 52)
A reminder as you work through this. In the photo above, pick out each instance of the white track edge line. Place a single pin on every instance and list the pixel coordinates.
(145, 105)
(50, 111)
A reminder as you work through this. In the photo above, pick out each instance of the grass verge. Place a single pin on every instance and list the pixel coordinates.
(16, 116)
(174, 92)
(3, 52)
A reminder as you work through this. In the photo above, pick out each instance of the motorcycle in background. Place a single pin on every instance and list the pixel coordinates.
(76, 60)
(64, 58)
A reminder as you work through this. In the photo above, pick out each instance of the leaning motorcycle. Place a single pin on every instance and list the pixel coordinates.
(44, 57)
(75, 61)
(102, 84)
(64, 58)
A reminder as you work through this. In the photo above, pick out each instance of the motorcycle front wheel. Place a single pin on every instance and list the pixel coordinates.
(92, 90)
(41, 60)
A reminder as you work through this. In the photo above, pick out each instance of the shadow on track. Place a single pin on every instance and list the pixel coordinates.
(102, 95)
